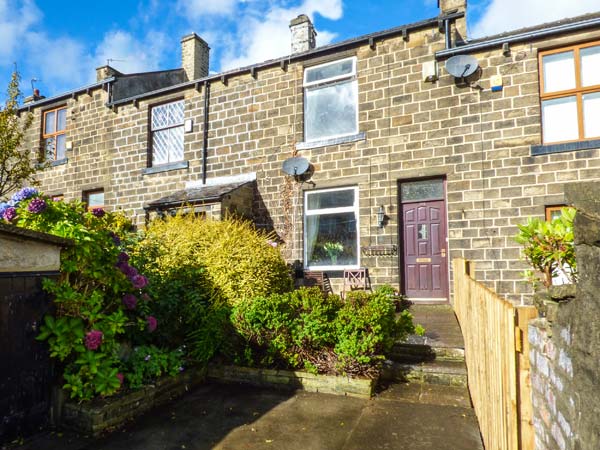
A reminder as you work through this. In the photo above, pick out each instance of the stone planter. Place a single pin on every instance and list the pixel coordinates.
(287, 379)
(99, 415)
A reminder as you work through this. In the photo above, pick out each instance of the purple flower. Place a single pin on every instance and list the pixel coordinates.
(24, 194)
(152, 323)
(116, 239)
(98, 212)
(147, 358)
(123, 257)
(3, 207)
(181, 369)
(93, 339)
(129, 300)
(9, 213)
(121, 377)
(139, 281)
(129, 271)
(37, 205)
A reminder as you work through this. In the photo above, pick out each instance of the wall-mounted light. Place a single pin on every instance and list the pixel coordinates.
(380, 216)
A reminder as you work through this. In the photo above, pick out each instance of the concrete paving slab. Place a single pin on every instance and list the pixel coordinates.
(241, 417)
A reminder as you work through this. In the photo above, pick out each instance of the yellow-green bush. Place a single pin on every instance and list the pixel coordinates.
(238, 260)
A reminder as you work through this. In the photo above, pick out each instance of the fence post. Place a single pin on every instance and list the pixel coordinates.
(526, 432)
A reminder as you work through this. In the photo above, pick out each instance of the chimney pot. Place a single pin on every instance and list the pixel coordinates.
(303, 34)
(194, 57)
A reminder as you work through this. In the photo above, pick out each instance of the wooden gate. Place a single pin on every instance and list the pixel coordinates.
(497, 358)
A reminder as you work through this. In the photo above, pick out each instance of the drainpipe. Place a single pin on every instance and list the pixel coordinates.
(447, 33)
(205, 134)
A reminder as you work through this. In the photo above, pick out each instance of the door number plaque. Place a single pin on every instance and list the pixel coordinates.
(423, 260)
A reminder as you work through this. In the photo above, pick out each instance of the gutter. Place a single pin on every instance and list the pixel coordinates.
(69, 94)
(367, 38)
(205, 130)
(525, 36)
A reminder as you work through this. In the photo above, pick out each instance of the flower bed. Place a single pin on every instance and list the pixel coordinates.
(362, 387)
(103, 414)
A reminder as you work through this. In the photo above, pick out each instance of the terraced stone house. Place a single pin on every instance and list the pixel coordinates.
(400, 165)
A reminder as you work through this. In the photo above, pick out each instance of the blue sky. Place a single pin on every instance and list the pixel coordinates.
(61, 42)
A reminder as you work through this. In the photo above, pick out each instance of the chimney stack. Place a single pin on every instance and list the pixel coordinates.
(194, 57)
(104, 72)
(303, 34)
(460, 24)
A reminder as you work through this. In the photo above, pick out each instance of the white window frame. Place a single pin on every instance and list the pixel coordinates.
(163, 128)
(318, 212)
(339, 79)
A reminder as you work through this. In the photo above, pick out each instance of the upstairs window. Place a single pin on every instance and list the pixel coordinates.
(54, 134)
(166, 125)
(570, 93)
(330, 100)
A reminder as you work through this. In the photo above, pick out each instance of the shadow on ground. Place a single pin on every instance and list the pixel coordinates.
(407, 417)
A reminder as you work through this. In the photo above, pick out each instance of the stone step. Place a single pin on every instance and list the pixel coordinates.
(448, 373)
(414, 353)
(431, 394)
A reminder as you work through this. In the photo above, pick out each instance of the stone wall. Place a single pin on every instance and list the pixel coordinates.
(479, 141)
(565, 345)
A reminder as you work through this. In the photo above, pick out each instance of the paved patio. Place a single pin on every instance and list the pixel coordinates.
(404, 416)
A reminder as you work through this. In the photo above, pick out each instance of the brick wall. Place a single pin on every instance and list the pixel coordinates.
(478, 140)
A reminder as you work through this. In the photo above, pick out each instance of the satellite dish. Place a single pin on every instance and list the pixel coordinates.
(295, 166)
(461, 66)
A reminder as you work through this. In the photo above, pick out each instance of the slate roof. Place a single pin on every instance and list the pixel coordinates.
(195, 195)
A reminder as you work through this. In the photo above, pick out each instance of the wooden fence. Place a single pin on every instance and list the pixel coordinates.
(497, 358)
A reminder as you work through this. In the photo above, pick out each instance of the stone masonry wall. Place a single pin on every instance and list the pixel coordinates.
(565, 345)
(478, 140)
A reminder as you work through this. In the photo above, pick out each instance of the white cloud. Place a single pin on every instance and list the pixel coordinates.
(504, 15)
(129, 54)
(14, 23)
(195, 9)
(266, 35)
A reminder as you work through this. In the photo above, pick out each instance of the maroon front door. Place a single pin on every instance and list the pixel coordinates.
(425, 262)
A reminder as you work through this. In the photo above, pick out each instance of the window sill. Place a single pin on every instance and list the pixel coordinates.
(166, 167)
(567, 147)
(333, 141)
(58, 162)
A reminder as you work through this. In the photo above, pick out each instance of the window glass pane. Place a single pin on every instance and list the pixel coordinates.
(331, 111)
(331, 240)
(167, 145)
(559, 120)
(326, 71)
(331, 199)
(559, 72)
(167, 115)
(49, 147)
(590, 66)
(60, 146)
(422, 190)
(591, 115)
(50, 122)
(95, 199)
(62, 119)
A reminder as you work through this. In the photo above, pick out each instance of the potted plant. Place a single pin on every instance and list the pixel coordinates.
(333, 250)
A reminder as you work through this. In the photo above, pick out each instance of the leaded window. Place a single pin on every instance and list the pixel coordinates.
(167, 132)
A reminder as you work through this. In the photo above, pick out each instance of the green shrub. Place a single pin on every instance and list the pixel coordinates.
(367, 327)
(239, 260)
(548, 247)
(305, 329)
(148, 363)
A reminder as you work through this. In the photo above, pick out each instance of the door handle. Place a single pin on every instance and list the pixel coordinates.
(443, 253)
